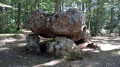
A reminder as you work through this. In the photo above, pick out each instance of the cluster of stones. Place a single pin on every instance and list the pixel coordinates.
(60, 45)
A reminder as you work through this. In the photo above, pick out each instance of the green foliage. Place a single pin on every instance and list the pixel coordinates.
(75, 56)
(100, 12)
(10, 31)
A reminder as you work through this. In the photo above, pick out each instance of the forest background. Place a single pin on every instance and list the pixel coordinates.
(101, 16)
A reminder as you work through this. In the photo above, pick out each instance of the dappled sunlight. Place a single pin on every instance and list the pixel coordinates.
(107, 43)
(106, 47)
(5, 5)
(89, 49)
(21, 44)
(6, 34)
(100, 37)
(92, 65)
(117, 53)
(51, 63)
(5, 48)
(27, 32)
(9, 40)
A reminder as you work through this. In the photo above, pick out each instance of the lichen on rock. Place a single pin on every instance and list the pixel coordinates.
(70, 24)
(61, 46)
(33, 43)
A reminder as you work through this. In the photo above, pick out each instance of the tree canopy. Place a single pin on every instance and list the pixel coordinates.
(99, 14)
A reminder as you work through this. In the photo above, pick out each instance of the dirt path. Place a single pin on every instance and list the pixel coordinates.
(14, 54)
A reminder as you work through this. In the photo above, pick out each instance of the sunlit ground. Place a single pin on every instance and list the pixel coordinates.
(105, 43)
(51, 63)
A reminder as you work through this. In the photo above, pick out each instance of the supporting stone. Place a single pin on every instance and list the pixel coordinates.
(61, 46)
(33, 43)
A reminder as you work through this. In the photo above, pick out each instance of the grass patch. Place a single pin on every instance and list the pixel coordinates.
(76, 56)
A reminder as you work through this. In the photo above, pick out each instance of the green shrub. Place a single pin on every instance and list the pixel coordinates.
(75, 56)
(10, 31)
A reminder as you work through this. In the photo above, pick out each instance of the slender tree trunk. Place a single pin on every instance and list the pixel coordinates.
(8, 17)
(89, 19)
(119, 30)
(2, 26)
(2, 18)
(12, 12)
(40, 1)
(97, 21)
(15, 16)
(62, 6)
(57, 5)
(83, 7)
(89, 15)
(18, 19)
(111, 23)
(36, 4)
(26, 9)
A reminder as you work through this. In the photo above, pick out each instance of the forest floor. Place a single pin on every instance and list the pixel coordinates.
(13, 54)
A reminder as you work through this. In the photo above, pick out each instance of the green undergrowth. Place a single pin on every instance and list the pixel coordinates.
(10, 31)
(76, 56)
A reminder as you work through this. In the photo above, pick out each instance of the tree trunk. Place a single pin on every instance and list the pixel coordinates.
(57, 5)
(2, 18)
(62, 6)
(119, 30)
(2, 26)
(15, 16)
(8, 17)
(83, 7)
(36, 4)
(97, 16)
(89, 20)
(89, 15)
(12, 13)
(111, 23)
(18, 19)
(26, 8)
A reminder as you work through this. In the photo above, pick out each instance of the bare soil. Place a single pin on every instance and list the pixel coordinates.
(13, 53)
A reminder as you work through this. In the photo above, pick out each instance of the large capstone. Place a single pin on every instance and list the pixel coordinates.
(68, 24)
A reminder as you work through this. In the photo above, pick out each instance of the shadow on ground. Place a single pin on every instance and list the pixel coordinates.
(13, 53)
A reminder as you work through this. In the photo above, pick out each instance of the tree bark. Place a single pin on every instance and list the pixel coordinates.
(12, 13)
(89, 15)
(26, 8)
(89, 20)
(2, 26)
(111, 23)
(83, 7)
(62, 5)
(119, 30)
(97, 16)
(36, 4)
(18, 19)
(57, 5)
(2, 19)
(15, 16)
